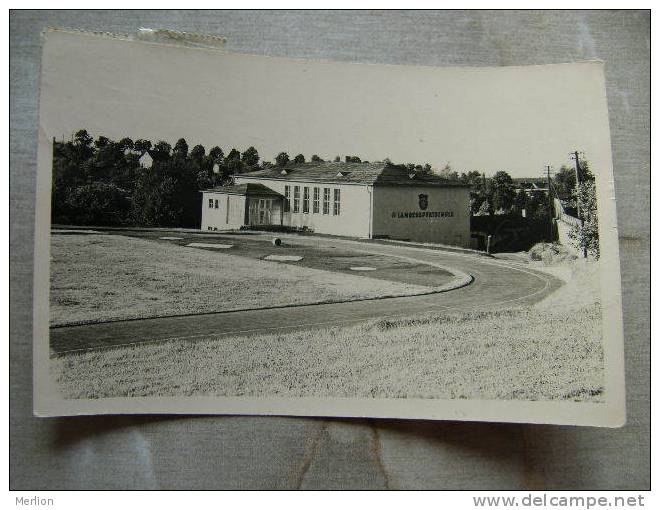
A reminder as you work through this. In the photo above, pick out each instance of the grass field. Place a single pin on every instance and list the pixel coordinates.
(514, 354)
(322, 255)
(104, 277)
(550, 351)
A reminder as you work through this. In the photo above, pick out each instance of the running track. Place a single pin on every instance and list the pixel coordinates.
(495, 284)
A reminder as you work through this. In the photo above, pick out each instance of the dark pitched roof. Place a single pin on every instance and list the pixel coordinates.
(246, 189)
(377, 174)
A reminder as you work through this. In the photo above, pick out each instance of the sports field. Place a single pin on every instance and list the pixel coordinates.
(100, 277)
(550, 350)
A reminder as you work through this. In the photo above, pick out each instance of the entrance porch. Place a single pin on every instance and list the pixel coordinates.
(264, 211)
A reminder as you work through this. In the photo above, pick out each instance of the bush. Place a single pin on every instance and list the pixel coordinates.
(549, 253)
(98, 203)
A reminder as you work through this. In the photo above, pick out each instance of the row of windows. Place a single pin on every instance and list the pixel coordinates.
(316, 200)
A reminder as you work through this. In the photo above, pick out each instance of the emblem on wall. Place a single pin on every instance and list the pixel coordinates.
(423, 201)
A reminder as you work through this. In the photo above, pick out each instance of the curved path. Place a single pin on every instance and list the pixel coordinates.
(495, 284)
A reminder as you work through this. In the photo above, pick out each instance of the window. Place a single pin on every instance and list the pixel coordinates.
(216, 204)
(306, 200)
(337, 204)
(210, 203)
(315, 205)
(287, 198)
(326, 200)
(296, 199)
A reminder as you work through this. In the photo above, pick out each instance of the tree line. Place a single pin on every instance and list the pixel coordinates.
(102, 182)
(501, 195)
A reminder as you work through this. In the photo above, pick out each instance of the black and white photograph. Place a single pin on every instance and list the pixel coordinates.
(220, 233)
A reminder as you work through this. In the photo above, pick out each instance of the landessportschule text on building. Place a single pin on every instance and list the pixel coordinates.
(366, 200)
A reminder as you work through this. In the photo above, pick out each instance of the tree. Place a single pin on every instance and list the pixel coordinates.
(216, 154)
(520, 202)
(82, 147)
(472, 178)
(481, 197)
(83, 138)
(281, 159)
(299, 159)
(449, 173)
(564, 182)
(337, 159)
(233, 164)
(251, 157)
(180, 149)
(503, 191)
(197, 153)
(353, 159)
(426, 169)
(161, 151)
(233, 155)
(126, 144)
(201, 166)
(483, 209)
(316, 159)
(585, 236)
(142, 146)
(99, 203)
(101, 142)
(167, 195)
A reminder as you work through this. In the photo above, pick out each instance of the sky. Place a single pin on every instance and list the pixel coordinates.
(516, 119)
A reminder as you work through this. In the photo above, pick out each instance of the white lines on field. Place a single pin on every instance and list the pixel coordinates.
(284, 258)
(210, 245)
(167, 238)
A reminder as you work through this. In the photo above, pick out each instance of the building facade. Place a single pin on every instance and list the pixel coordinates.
(365, 200)
(232, 207)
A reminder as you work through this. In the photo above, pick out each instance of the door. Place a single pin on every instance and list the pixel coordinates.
(264, 208)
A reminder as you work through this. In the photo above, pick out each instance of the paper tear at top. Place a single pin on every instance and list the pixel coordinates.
(164, 35)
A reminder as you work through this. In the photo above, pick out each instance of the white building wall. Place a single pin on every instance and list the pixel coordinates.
(446, 219)
(354, 214)
(229, 215)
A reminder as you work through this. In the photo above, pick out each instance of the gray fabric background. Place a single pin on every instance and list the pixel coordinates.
(254, 452)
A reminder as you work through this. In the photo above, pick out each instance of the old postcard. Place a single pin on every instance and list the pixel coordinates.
(239, 234)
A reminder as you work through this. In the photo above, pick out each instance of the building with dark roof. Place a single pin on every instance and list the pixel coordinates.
(365, 200)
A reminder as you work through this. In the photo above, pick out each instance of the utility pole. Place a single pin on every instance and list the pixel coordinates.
(550, 209)
(576, 156)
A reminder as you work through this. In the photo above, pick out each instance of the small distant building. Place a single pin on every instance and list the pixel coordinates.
(146, 160)
(530, 185)
(365, 200)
